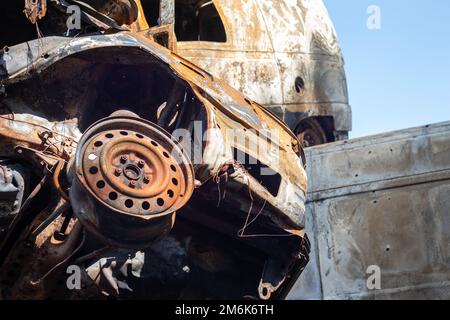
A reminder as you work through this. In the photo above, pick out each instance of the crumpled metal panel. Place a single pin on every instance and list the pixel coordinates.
(227, 100)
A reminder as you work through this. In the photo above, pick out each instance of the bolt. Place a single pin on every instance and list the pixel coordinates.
(133, 184)
(118, 171)
(123, 159)
(146, 179)
(141, 163)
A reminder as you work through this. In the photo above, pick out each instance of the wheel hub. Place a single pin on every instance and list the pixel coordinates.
(132, 171)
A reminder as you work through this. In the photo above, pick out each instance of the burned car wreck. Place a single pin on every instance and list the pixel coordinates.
(125, 161)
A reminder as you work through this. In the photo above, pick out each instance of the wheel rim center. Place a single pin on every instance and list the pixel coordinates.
(132, 172)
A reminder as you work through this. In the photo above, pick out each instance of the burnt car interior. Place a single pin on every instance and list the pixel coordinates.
(109, 102)
(198, 21)
(195, 20)
(15, 26)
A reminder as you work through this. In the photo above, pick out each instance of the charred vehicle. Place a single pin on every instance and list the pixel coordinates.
(128, 171)
(284, 54)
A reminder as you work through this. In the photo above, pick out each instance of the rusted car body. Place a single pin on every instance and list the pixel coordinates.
(283, 54)
(147, 173)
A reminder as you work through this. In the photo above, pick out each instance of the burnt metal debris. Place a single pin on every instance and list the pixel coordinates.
(116, 159)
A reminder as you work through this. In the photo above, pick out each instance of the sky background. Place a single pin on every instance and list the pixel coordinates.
(399, 76)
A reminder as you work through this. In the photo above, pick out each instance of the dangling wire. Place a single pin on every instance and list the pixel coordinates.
(217, 181)
(56, 183)
(249, 210)
(247, 223)
(39, 39)
(254, 219)
(36, 282)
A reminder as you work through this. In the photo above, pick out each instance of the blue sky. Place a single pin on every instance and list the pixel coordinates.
(398, 76)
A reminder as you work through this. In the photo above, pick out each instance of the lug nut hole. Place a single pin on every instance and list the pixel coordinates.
(112, 196)
(101, 184)
(129, 203)
(93, 170)
(145, 205)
